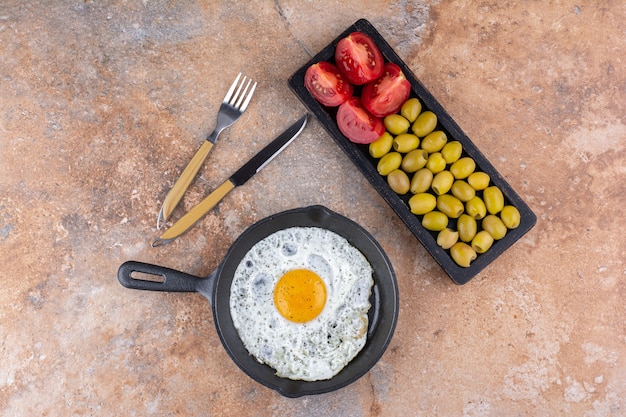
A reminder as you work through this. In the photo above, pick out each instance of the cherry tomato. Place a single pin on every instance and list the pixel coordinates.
(386, 94)
(358, 58)
(357, 124)
(326, 84)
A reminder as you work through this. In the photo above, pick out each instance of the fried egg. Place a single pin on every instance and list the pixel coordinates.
(299, 301)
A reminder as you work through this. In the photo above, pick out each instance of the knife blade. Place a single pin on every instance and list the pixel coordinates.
(240, 177)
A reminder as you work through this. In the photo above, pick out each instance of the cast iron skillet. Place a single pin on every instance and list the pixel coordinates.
(383, 314)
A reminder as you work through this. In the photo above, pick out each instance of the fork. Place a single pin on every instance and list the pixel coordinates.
(233, 106)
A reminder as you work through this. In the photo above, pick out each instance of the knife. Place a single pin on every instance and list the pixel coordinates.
(240, 177)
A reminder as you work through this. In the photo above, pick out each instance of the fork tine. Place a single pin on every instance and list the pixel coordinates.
(245, 103)
(243, 94)
(232, 88)
(234, 97)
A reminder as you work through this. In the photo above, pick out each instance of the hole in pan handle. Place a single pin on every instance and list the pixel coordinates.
(144, 276)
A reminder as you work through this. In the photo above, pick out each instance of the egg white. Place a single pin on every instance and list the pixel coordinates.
(319, 348)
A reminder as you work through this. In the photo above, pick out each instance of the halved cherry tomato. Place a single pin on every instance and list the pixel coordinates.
(386, 94)
(358, 58)
(326, 84)
(357, 124)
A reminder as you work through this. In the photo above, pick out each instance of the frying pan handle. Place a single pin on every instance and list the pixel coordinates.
(157, 278)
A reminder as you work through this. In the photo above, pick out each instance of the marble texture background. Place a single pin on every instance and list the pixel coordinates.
(102, 103)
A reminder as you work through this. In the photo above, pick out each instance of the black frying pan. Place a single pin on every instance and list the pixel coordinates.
(383, 314)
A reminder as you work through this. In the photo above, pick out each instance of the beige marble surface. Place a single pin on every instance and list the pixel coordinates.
(103, 102)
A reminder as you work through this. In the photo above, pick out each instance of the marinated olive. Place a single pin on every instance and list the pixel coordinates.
(434, 142)
(411, 109)
(462, 168)
(425, 153)
(414, 160)
(381, 146)
(435, 221)
(424, 124)
(462, 190)
(396, 124)
(405, 142)
(466, 225)
(388, 163)
(451, 151)
(422, 203)
(449, 205)
(482, 241)
(447, 237)
(435, 162)
(479, 180)
(476, 208)
(510, 216)
(494, 200)
(494, 226)
(442, 182)
(421, 180)
(398, 181)
(463, 254)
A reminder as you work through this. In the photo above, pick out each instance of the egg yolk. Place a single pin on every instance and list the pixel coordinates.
(300, 295)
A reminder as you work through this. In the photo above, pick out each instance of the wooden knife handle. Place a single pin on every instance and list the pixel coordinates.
(188, 220)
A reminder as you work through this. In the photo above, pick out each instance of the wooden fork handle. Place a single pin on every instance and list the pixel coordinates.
(178, 190)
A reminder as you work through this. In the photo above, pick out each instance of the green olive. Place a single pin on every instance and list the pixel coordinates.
(494, 200)
(381, 146)
(442, 182)
(476, 208)
(462, 190)
(424, 124)
(435, 141)
(435, 162)
(452, 151)
(466, 225)
(447, 237)
(510, 216)
(479, 180)
(398, 181)
(396, 124)
(482, 241)
(405, 142)
(463, 254)
(411, 109)
(494, 226)
(422, 203)
(435, 221)
(388, 163)
(449, 205)
(414, 160)
(421, 180)
(463, 168)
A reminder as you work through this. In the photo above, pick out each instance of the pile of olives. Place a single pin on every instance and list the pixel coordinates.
(454, 199)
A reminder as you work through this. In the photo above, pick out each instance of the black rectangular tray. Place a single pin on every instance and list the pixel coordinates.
(359, 154)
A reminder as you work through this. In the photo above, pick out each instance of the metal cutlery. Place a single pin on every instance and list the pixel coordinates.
(243, 174)
(235, 103)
